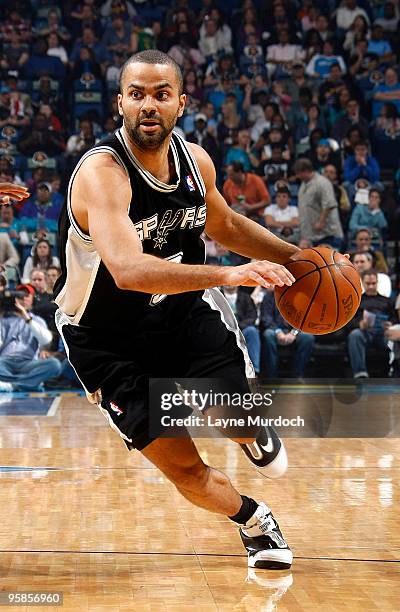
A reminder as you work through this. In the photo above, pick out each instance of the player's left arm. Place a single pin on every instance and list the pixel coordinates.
(232, 230)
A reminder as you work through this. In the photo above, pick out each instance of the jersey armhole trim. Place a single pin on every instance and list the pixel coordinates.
(101, 149)
(192, 161)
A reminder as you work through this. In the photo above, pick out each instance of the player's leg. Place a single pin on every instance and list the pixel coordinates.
(209, 488)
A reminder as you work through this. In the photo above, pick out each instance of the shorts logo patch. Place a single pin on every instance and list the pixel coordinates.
(190, 182)
(115, 408)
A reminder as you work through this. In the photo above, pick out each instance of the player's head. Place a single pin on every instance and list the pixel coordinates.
(151, 97)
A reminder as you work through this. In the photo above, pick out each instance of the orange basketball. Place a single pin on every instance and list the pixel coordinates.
(326, 294)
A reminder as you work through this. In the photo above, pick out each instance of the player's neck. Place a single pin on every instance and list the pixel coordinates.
(154, 161)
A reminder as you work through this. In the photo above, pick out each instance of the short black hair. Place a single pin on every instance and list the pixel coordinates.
(152, 56)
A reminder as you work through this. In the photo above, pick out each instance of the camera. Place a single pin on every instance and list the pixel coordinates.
(7, 300)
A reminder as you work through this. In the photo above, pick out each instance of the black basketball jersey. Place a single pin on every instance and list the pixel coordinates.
(169, 219)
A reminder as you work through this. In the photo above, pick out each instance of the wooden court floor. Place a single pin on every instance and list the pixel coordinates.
(105, 528)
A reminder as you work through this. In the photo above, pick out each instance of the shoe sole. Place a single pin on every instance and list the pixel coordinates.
(271, 559)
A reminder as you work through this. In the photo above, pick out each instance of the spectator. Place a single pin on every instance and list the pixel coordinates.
(245, 192)
(363, 240)
(359, 30)
(81, 142)
(368, 325)
(364, 261)
(318, 209)
(390, 20)
(213, 40)
(118, 7)
(184, 49)
(39, 63)
(298, 81)
(23, 334)
(39, 137)
(323, 155)
(276, 332)
(240, 151)
(9, 225)
(15, 53)
(379, 45)
(281, 218)
(54, 26)
(39, 215)
(43, 304)
(8, 254)
(117, 36)
(52, 274)
(389, 91)
(320, 64)
(346, 14)
(352, 117)
(331, 173)
(204, 138)
(370, 216)
(55, 49)
(248, 316)
(361, 165)
(41, 259)
(89, 40)
(280, 57)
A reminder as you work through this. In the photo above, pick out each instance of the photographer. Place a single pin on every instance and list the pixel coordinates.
(22, 335)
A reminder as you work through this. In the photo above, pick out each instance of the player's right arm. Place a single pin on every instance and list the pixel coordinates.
(101, 194)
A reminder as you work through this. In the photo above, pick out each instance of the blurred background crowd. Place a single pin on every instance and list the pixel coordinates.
(296, 101)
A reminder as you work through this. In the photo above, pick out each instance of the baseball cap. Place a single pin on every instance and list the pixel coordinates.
(298, 63)
(324, 141)
(5, 90)
(44, 185)
(27, 288)
(200, 117)
(283, 189)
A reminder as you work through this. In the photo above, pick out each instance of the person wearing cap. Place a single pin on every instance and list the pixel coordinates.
(323, 155)
(23, 334)
(298, 81)
(281, 218)
(40, 215)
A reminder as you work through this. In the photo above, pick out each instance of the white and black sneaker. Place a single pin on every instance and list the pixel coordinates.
(264, 542)
(267, 453)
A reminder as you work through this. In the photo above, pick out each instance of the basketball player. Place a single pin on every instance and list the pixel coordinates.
(136, 300)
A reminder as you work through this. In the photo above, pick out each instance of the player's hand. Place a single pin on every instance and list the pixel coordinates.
(9, 191)
(263, 273)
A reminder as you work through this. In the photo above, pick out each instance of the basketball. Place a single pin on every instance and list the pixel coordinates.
(326, 294)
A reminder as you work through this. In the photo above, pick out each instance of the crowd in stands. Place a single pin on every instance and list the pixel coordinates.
(296, 101)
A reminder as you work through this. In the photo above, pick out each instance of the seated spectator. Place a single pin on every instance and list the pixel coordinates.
(117, 36)
(43, 304)
(118, 7)
(251, 61)
(213, 40)
(388, 91)
(15, 53)
(240, 151)
(379, 45)
(390, 19)
(370, 216)
(320, 64)
(23, 334)
(245, 192)
(280, 57)
(298, 81)
(100, 53)
(9, 225)
(329, 90)
(79, 143)
(39, 63)
(330, 172)
(363, 239)
(359, 30)
(324, 155)
(276, 332)
(264, 123)
(361, 165)
(55, 49)
(281, 218)
(41, 259)
(184, 49)
(9, 257)
(247, 310)
(13, 111)
(277, 166)
(368, 325)
(351, 118)
(54, 26)
(202, 136)
(52, 274)
(39, 214)
(392, 334)
(363, 262)
(346, 14)
(39, 137)
(388, 121)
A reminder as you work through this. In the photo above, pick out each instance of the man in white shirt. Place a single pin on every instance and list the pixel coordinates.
(347, 12)
(281, 218)
(283, 54)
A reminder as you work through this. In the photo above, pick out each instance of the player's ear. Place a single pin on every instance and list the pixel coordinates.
(182, 104)
(119, 101)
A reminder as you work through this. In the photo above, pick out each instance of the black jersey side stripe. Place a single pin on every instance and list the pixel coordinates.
(192, 164)
(100, 149)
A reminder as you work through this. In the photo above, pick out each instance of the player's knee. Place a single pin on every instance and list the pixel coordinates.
(192, 478)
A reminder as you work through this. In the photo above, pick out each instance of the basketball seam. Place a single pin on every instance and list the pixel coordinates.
(310, 272)
(312, 299)
(318, 253)
(337, 296)
(355, 290)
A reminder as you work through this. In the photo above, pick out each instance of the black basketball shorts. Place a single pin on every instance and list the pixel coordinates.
(115, 369)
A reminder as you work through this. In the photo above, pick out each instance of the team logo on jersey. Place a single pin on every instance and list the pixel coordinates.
(190, 182)
(115, 408)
